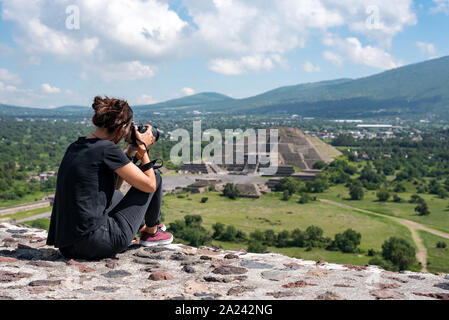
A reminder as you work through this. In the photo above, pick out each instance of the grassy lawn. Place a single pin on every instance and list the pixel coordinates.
(438, 218)
(437, 258)
(26, 199)
(25, 214)
(39, 223)
(269, 212)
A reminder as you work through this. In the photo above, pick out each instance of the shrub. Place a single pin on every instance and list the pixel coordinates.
(231, 191)
(304, 198)
(218, 230)
(377, 261)
(356, 192)
(229, 235)
(256, 247)
(293, 185)
(397, 198)
(257, 235)
(383, 195)
(399, 252)
(347, 241)
(270, 237)
(298, 238)
(441, 244)
(286, 195)
(371, 252)
(282, 239)
(320, 164)
(204, 199)
(415, 199)
(422, 209)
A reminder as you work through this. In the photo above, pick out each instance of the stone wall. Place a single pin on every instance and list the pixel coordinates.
(31, 270)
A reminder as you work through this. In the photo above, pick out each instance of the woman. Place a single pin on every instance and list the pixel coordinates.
(91, 219)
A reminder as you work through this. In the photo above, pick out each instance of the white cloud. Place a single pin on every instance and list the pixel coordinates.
(145, 99)
(188, 91)
(9, 77)
(49, 89)
(426, 48)
(236, 36)
(309, 67)
(351, 49)
(126, 71)
(241, 66)
(441, 6)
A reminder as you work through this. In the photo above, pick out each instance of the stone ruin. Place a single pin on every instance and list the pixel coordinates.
(30, 270)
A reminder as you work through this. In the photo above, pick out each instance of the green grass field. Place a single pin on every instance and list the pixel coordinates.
(26, 199)
(25, 214)
(269, 212)
(439, 213)
(437, 258)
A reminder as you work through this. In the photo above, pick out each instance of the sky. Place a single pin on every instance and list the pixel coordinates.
(65, 52)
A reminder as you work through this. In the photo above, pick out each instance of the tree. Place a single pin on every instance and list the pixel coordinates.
(286, 195)
(422, 209)
(347, 241)
(356, 192)
(399, 252)
(383, 195)
(270, 237)
(229, 235)
(218, 230)
(256, 246)
(282, 239)
(231, 191)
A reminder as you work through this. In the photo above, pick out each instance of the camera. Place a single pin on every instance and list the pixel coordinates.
(142, 129)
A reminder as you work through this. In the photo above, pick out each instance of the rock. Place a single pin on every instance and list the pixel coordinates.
(145, 261)
(192, 287)
(293, 265)
(280, 294)
(116, 274)
(207, 296)
(45, 283)
(81, 267)
(440, 296)
(342, 285)
(446, 277)
(396, 279)
(229, 270)
(7, 259)
(6, 298)
(388, 285)
(106, 289)
(321, 263)
(157, 249)
(329, 296)
(298, 284)
(250, 264)
(6, 276)
(215, 279)
(38, 290)
(43, 264)
(188, 269)
(317, 273)
(207, 252)
(178, 257)
(17, 231)
(415, 277)
(205, 258)
(235, 291)
(386, 294)
(37, 239)
(353, 267)
(231, 256)
(273, 275)
(111, 265)
(148, 256)
(160, 275)
(444, 286)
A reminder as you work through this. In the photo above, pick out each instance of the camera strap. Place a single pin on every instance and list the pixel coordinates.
(151, 164)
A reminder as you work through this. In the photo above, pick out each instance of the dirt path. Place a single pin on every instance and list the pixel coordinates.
(421, 255)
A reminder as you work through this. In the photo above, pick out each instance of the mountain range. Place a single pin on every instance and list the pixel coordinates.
(416, 90)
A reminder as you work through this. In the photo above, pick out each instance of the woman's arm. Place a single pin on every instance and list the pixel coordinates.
(144, 181)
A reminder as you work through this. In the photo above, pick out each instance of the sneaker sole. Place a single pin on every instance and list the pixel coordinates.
(164, 228)
(155, 243)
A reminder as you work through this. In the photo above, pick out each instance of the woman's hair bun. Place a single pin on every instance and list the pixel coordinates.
(110, 113)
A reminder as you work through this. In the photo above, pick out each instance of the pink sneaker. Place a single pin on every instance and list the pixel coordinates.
(160, 237)
(162, 227)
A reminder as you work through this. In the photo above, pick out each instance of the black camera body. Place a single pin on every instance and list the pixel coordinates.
(142, 129)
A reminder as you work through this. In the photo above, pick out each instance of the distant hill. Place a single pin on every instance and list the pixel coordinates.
(417, 90)
(200, 99)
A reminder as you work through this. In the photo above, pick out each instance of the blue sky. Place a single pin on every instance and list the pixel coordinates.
(150, 51)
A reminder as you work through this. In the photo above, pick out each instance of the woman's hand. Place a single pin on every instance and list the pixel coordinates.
(147, 137)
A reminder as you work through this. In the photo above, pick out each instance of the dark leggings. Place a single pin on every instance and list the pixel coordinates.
(126, 215)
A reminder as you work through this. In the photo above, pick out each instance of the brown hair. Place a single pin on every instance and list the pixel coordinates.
(111, 113)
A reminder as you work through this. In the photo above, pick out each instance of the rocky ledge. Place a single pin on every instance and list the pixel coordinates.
(31, 270)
